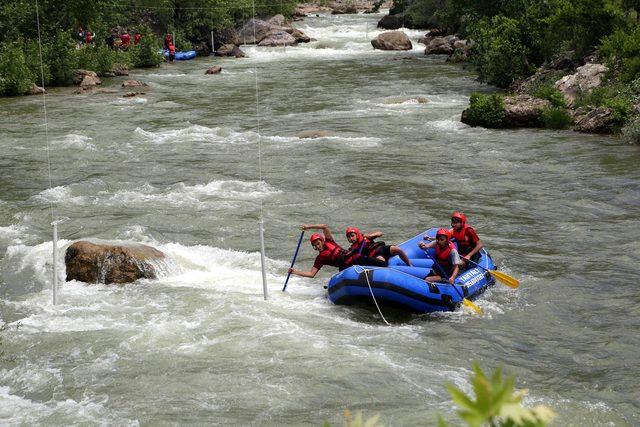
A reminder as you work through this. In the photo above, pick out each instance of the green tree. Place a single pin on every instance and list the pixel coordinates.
(499, 54)
(15, 76)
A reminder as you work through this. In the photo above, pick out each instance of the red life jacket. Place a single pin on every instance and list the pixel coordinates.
(465, 245)
(334, 253)
(443, 259)
(366, 247)
(172, 49)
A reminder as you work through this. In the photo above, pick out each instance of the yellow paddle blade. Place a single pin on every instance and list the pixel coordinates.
(472, 306)
(504, 278)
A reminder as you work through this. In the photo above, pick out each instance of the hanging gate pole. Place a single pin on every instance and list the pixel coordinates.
(54, 282)
(262, 261)
(213, 46)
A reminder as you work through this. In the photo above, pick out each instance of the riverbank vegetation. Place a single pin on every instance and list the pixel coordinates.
(191, 21)
(496, 403)
(515, 40)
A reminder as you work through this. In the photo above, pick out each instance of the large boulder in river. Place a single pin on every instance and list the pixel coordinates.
(277, 20)
(340, 8)
(230, 50)
(524, 110)
(85, 78)
(443, 45)
(278, 39)
(298, 35)
(394, 22)
(102, 263)
(585, 79)
(392, 40)
(261, 30)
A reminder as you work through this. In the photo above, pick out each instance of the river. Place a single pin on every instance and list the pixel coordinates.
(178, 168)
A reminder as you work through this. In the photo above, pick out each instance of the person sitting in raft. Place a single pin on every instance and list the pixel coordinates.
(447, 258)
(469, 243)
(172, 52)
(365, 244)
(331, 253)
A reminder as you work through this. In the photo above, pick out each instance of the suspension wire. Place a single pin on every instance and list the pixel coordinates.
(44, 107)
(255, 73)
(261, 221)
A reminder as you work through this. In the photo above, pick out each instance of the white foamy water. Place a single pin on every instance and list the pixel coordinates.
(197, 133)
(75, 141)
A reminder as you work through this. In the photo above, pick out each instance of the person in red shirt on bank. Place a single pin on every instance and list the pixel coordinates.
(125, 41)
(447, 258)
(469, 243)
(366, 245)
(331, 253)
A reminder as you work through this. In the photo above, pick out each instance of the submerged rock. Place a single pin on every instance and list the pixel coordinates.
(216, 69)
(134, 83)
(392, 40)
(311, 134)
(103, 263)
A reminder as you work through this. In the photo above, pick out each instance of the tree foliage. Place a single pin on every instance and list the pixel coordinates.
(496, 403)
(192, 20)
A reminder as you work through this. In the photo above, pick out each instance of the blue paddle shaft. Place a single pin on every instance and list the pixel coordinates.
(293, 261)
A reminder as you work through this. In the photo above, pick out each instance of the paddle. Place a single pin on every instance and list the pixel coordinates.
(293, 261)
(464, 300)
(503, 278)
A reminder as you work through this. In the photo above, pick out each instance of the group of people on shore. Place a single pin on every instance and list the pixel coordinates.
(116, 40)
(365, 250)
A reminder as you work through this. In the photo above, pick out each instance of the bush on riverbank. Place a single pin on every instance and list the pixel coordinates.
(486, 110)
(555, 118)
(15, 76)
(631, 132)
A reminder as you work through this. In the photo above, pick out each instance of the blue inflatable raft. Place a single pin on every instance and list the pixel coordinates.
(182, 55)
(404, 287)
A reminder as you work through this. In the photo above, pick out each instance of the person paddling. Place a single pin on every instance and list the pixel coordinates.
(366, 245)
(331, 253)
(469, 243)
(447, 258)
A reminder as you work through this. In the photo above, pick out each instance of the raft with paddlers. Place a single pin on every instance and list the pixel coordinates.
(181, 55)
(404, 287)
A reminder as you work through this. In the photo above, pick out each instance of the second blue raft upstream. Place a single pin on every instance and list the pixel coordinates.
(404, 287)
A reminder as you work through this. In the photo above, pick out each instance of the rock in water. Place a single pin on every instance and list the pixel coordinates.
(278, 39)
(103, 263)
(214, 70)
(392, 40)
(134, 83)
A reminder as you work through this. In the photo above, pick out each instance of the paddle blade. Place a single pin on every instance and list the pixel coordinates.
(472, 306)
(504, 278)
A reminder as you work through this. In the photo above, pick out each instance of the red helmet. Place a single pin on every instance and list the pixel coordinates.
(460, 216)
(443, 232)
(353, 230)
(316, 236)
